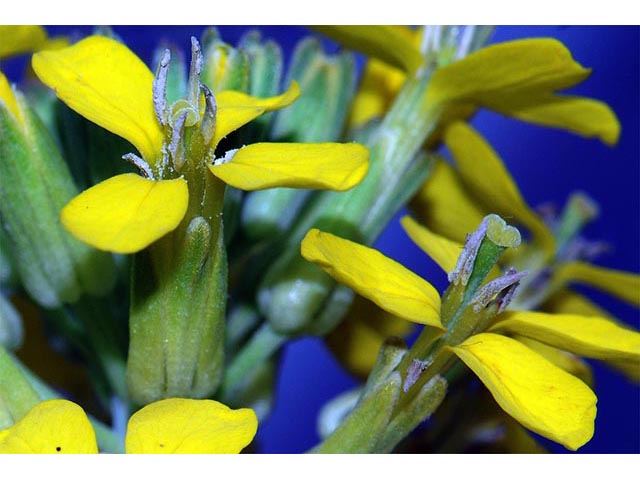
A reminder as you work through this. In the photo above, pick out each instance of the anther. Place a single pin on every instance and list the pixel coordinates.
(160, 89)
(413, 373)
(176, 135)
(467, 258)
(208, 124)
(504, 287)
(195, 69)
(140, 164)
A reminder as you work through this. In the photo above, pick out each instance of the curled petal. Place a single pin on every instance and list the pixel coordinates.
(443, 204)
(107, 83)
(592, 337)
(584, 116)
(126, 213)
(179, 425)
(486, 177)
(392, 44)
(236, 109)
(332, 166)
(53, 426)
(17, 39)
(541, 396)
(374, 276)
(524, 66)
(442, 250)
(624, 285)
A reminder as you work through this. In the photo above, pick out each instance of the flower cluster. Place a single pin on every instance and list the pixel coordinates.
(156, 293)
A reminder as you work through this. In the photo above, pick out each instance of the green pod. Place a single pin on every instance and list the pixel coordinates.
(176, 324)
(35, 184)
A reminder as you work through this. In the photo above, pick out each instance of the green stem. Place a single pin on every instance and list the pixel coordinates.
(264, 343)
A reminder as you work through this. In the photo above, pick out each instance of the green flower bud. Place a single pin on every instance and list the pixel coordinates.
(11, 331)
(35, 184)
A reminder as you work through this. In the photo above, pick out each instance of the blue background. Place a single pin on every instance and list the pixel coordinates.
(547, 165)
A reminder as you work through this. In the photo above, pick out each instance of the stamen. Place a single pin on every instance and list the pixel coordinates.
(208, 124)
(465, 41)
(160, 89)
(467, 258)
(413, 373)
(499, 286)
(176, 135)
(193, 93)
(143, 166)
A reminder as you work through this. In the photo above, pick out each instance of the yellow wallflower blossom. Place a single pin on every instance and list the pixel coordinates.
(454, 199)
(105, 82)
(174, 425)
(519, 79)
(532, 389)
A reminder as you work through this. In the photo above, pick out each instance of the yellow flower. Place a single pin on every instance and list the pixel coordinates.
(454, 200)
(532, 389)
(105, 82)
(20, 39)
(174, 425)
(519, 79)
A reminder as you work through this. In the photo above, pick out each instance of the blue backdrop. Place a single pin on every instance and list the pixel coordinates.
(547, 165)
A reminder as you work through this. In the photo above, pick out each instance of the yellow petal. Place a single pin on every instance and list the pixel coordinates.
(379, 86)
(179, 425)
(443, 205)
(442, 250)
(568, 301)
(568, 362)
(107, 83)
(53, 426)
(592, 337)
(126, 213)
(8, 98)
(235, 109)
(525, 66)
(374, 276)
(584, 116)
(358, 338)
(485, 176)
(333, 166)
(17, 39)
(623, 285)
(391, 44)
(541, 396)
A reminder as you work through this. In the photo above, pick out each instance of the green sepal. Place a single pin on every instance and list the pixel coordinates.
(17, 396)
(11, 331)
(391, 353)
(419, 408)
(366, 424)
(35, 184)
(177, 312)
